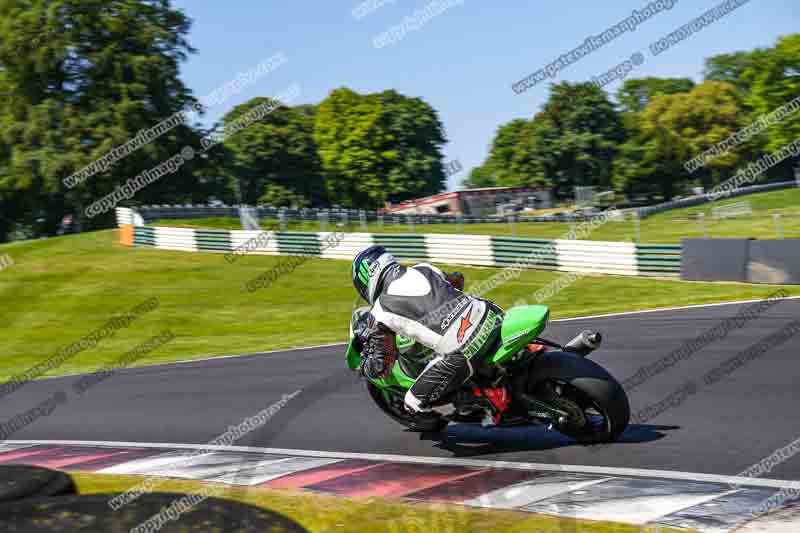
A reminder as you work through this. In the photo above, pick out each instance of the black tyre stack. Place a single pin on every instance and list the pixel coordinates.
(18, 482)
(39, 500)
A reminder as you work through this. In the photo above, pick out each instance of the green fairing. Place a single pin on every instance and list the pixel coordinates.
(404, 342)
(521, 325)
(353, 357)
(399, 377)
(396, 379)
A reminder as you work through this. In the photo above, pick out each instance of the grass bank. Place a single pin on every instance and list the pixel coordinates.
(59, 290)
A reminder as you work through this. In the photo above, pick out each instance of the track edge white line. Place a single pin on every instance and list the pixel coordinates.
(674, 475)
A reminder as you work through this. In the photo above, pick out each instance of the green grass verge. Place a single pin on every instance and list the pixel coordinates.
(322, 513)
(666, 227)
(61, 289)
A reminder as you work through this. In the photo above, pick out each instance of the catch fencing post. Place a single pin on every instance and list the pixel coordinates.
(362, 216)
(511, 225)
(323, 220)
(637, 227)
(778, 225)
(410, 222)
(282, 218)
(702, 220)
(380, 221)
(248, 221)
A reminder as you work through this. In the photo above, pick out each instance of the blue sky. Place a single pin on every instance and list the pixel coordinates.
(463, 61)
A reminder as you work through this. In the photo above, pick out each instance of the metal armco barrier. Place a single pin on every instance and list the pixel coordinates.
(645, 212)
(152, 213)
(481, 250)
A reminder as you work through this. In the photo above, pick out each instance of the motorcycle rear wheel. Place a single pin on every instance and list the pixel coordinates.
(595, 415)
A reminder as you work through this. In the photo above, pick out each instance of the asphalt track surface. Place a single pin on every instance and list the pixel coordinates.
(723, 428)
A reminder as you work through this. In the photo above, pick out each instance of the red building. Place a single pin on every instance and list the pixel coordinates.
(475, 202)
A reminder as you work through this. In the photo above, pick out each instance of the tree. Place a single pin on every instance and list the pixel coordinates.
(575, 138)
(505, 165)
(279, 196)
(536, 155)
(275, 153)
(501, 154)
(83, 77)
(636, 93)
(675, 128)
(637, 170)
(479, 176)
(774, 82)
(378, 148)
(571, 142)
(730, 68)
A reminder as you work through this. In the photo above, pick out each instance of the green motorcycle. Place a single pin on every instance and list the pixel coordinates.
(548, 382)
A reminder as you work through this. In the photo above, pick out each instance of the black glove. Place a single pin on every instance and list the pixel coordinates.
(372, 363)
(363, 329)
(377, 357)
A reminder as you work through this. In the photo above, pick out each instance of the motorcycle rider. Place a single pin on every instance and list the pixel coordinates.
(427, 305)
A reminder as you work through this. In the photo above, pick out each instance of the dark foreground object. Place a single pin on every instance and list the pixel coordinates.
(22, 481)
(91, 513)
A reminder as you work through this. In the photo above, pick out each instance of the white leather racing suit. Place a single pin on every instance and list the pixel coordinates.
(419, 303)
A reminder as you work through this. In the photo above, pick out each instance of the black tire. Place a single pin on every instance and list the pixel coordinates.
(392, 407)
(586, 385)
(91, 513)
(604, 397)
(18, 482)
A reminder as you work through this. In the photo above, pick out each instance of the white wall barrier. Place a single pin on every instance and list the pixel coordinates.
(596, 257)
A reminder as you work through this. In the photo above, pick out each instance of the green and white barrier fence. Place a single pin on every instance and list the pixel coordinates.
(481, 250)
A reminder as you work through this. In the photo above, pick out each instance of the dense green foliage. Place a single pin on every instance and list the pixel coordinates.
(275, 158)
(378, 147)
(775, 80)
(672, 129)
(576, 139)
(81, 78)
(635, 94)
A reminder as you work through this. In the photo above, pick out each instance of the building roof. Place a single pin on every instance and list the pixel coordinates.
(454, 194)
(497, 189)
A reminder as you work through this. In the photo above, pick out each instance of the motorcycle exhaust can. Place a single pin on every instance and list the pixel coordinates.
(585, 343)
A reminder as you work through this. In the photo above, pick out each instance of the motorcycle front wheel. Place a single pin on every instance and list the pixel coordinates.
(391, 403)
